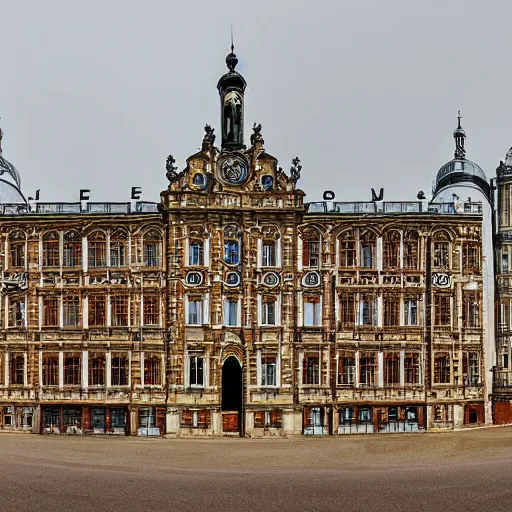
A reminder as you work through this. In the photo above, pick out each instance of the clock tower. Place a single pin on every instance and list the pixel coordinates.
(231, 88)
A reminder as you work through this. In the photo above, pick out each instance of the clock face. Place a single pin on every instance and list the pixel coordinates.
(234, 169)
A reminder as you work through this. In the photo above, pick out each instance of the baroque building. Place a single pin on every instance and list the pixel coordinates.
(232, 307)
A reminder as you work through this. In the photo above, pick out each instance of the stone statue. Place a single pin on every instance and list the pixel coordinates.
(256, 137)
(209, 137)
(295, 169)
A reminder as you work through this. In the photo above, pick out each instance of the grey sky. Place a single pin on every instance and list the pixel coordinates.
(96, 94)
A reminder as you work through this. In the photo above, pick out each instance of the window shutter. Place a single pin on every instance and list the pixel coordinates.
(160, 419)
(259, 419)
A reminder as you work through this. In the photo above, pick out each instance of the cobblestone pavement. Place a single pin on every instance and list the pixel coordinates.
(467, 470)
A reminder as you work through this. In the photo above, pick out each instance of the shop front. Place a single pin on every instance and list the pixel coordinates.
(63, 419)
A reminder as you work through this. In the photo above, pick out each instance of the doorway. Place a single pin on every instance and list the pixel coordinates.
(232, 409)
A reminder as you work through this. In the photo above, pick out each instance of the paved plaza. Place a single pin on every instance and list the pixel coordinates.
(467, 470)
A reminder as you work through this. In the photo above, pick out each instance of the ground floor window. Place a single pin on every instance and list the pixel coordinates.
(268, 419)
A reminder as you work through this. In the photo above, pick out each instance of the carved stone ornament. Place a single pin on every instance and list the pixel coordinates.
(295, 169)
(233, 169)
(171, 174)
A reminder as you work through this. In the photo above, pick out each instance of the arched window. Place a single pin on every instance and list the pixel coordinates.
(368, 242)
(391, 252)
(118, 248)
(411, 247)
(311, 248)
(97, 249)
(51, 250)
(231, 245)
(196, 252)
(72, 253)
(441, 250)
(152, 248)
(17, 249)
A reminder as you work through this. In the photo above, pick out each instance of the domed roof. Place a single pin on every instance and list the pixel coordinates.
(460, 166)
(508, 158)
(460, 169)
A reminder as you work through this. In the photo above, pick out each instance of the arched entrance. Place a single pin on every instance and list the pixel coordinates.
(232, 409)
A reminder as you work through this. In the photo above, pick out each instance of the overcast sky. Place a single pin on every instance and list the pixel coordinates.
(96, 94)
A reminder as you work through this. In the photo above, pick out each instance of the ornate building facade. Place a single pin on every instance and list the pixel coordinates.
(233, 308)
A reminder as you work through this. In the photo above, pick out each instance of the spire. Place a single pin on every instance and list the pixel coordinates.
(460, 136)
(1, 137)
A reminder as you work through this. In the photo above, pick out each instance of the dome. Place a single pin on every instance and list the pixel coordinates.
(463, 167)
(10, 183)
(508, 158)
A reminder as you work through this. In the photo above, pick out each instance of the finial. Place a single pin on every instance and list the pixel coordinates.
(231, 59)
(232, 43)
(459, 135)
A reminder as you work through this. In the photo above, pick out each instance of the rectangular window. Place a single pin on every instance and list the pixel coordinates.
(504, 261)
(16, 312)
(367, 366)
(196, 371)
(151, 310)
(442, 310)
(72, 254)
(17, 369)
(391, 311)
(312, 254)
(117, 254)
(268, 371)
(311, 370)
(152, 372)
(368, 310)
(231, 252)
(471, 310)
(471, 257)
(17, 254)
(410, 254)
(195, 311)
(72, 370)
(97, 370)
(268, 312)
(392, 369)
(266, 419)
(50, 370)
(196, 253)
(474, 369)
(269, 254)
(412, 368)
(152, 252)
(411, 311)
(442, 369)
(71, 311)
(391, 253)
(119, 371)
(51, 253)
(348, 253)
(230, 312)
(346, 369)
(119, 311)
(348, 311)
(441, 254)
(312, 312)
(50, 312)
(367, 255)
(96, 252)
(97, 310)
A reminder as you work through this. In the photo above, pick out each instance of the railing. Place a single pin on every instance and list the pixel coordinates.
(391, 207)
(76, 208)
